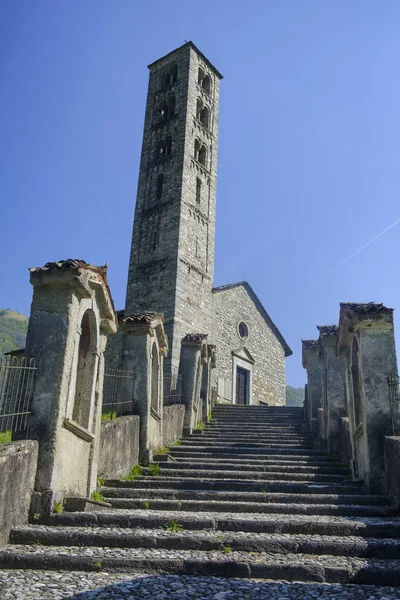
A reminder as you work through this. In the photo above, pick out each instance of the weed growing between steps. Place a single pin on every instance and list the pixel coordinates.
(173, 526)
(200, 426)
(164, 450)
(97, 496)
(136, 471)
(154, 469)
(146, 505)
(58, 507)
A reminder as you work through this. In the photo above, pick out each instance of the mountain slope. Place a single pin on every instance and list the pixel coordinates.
(13, 328)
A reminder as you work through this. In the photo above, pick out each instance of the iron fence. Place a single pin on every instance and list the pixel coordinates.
(172, 386)
(118, 393)
(394, 393)
(17, 382)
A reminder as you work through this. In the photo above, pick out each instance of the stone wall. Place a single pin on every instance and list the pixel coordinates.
(392, 468)
(173, 423)
(18, 461)
(232, 305)
(119, 446)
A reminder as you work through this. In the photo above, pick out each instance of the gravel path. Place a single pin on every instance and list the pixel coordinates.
(43, 585)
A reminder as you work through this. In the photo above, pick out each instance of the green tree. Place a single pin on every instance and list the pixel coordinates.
(13, 328)
(294, 396)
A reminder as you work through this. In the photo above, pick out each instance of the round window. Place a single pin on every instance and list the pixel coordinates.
(243, 330)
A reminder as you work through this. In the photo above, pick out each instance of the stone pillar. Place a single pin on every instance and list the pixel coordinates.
(72, 314)
(367, 347)
(145, 346)
(333, 386)
(312, 363)
(190, 368)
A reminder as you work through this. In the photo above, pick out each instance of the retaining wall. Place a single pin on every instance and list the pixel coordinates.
(18, 462)
(119, 446)
(172, 423)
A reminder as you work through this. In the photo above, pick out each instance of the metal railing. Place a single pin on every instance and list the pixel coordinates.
(17, 382)
(118, 393)
(394, 393)
(172, 386)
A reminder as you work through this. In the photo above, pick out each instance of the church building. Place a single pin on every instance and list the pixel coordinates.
(171, 267)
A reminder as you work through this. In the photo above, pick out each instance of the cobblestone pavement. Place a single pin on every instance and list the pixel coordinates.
(43, 585)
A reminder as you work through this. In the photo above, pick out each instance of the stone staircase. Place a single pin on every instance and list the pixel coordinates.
(248, 496)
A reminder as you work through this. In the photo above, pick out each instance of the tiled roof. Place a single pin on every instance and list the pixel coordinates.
(75, 264)
(310, 343)
(326, 330)
(364, 308)
(144, 317)
(195, 337)
(263, 312)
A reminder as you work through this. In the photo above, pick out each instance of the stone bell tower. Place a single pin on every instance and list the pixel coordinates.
(171, 264)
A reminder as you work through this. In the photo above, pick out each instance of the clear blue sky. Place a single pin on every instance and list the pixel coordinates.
(309, 148)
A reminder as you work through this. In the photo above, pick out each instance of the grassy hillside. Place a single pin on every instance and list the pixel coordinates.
(13, 328)
(294, 396)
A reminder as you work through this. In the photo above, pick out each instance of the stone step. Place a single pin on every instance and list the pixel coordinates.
(288, 567)
(199, 484)
(199, 442)
(244, 496)
(379, 527)
(176, 469)
(264, 507)
(250, 450)
(255, 429)
(304, 464)
(257, 455)
(273, 437)
(206, 541)
(339, 473)
(235, 420)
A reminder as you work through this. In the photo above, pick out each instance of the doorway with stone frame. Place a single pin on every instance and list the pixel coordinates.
(242, 377)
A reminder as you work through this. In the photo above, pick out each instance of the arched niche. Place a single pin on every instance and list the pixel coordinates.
(155, 379)
(86, 370)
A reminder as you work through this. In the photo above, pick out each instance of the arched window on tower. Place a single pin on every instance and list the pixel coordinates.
(199, 108)
(200, 76)
(160, 183)
(161, 149)
(203, 156)
(205, 116)
(171, 106)
(169, 76)
(196, 149)
(206, 84)
(173, 74)
(198, 190)
(163, 110)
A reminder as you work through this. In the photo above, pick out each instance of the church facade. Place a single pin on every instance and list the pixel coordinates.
(171, 267)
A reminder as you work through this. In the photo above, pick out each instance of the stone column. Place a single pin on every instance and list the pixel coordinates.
(367, 346)
(333, 386)
(312, 363)
(144, 348)
(72, 314)
(190, 368)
